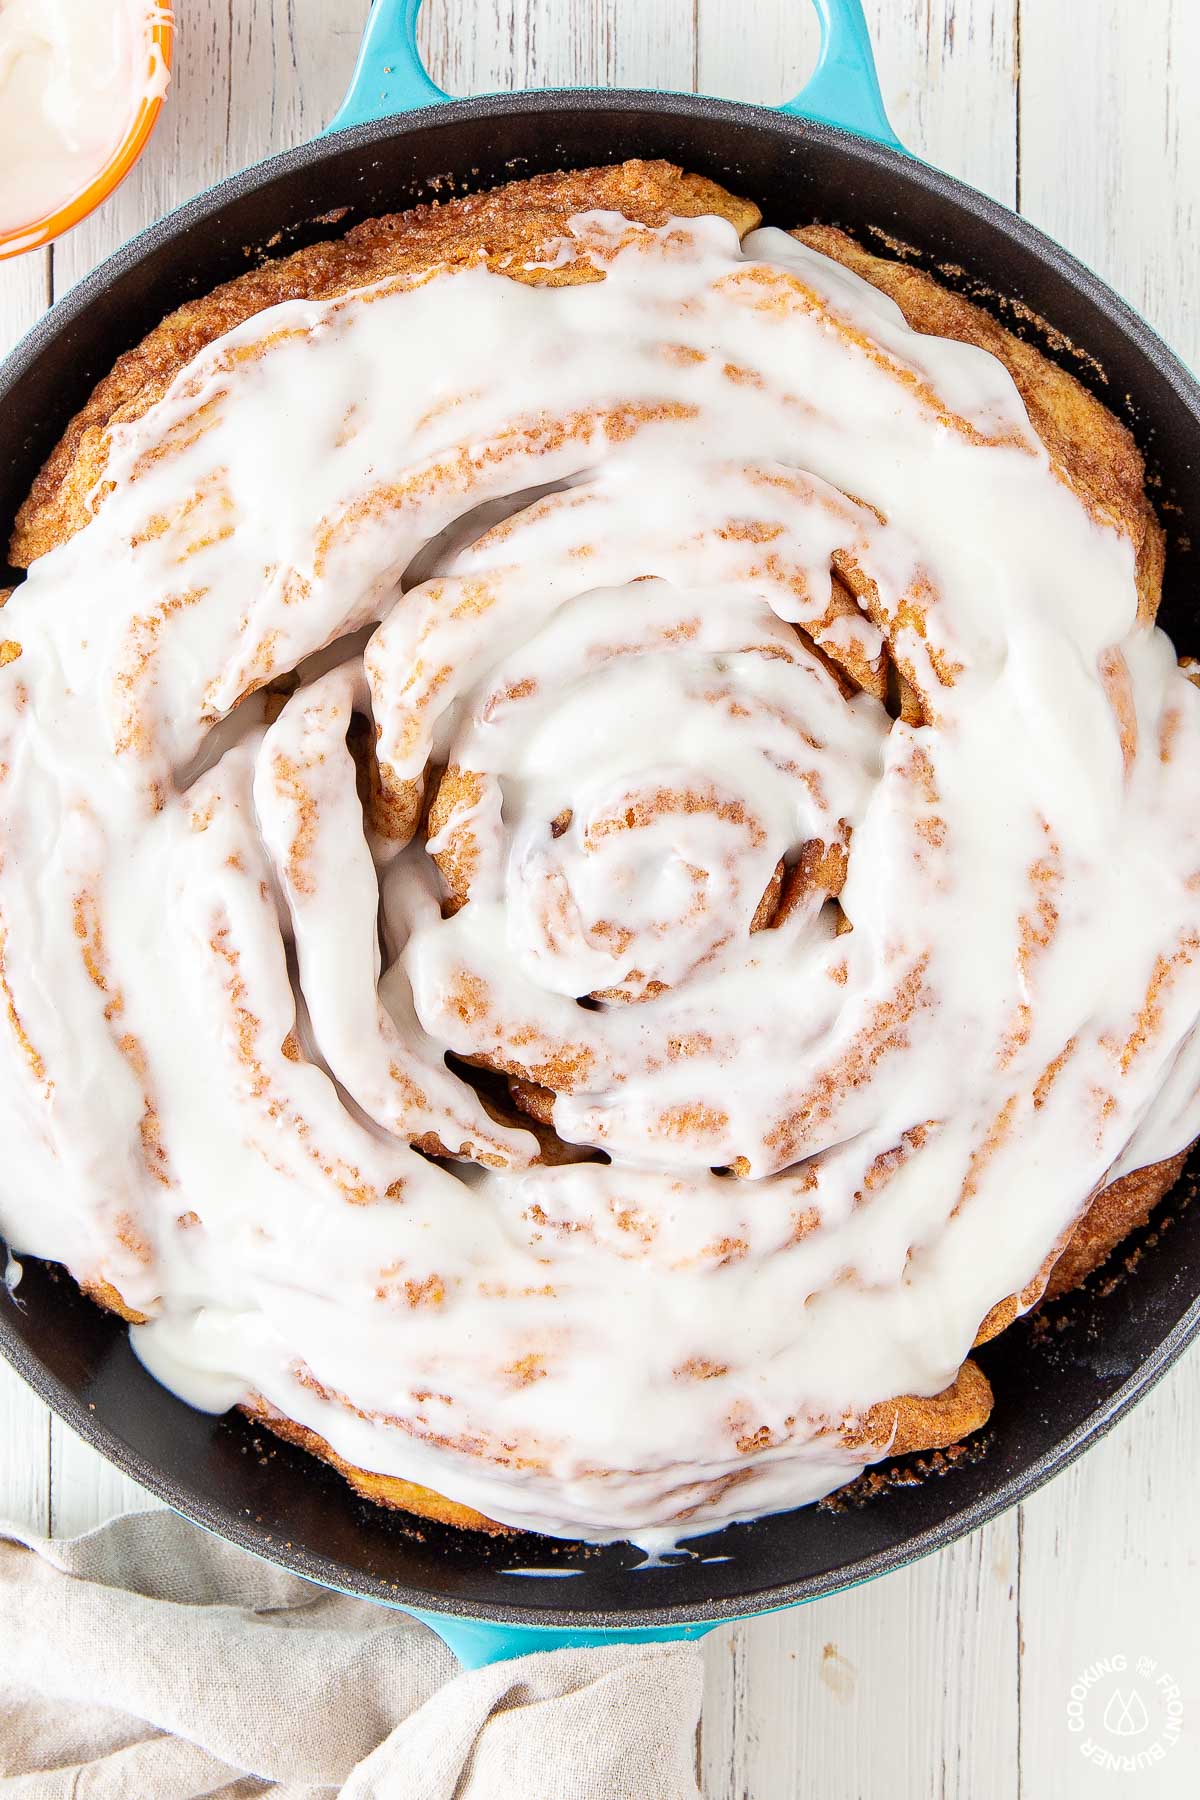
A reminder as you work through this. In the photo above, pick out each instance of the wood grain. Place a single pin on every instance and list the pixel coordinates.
(862, 1694)
(948, 1681)
(1111, 155)
(1110, 1565)
(947, 68)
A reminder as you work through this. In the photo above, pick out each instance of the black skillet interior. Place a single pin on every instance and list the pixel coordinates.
(1059, 1380)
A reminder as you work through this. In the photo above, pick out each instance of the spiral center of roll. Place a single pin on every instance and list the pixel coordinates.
(646, 883)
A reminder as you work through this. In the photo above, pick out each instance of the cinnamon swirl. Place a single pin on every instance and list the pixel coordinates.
(599, 868)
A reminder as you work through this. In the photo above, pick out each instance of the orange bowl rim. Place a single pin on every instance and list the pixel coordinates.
(40, 232)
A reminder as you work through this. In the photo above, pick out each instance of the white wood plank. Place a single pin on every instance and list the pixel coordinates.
(24, 295)
(764, 56)
(1110, 1566)
(1109, 1558)
(1110, 148)
(947, 69)
(85, 1489)
(542, 43)
(24, 1453)
(1103, 113)
(904, 1688)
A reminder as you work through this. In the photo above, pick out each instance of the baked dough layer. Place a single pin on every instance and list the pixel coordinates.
(509, 229)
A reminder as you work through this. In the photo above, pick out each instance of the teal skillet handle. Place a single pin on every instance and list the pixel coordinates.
(477, 1642)
(389, 77)
(843, 89)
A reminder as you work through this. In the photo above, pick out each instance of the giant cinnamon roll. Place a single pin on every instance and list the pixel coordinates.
(601, 867)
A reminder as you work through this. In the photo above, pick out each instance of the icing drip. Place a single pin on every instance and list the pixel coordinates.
(596, 597)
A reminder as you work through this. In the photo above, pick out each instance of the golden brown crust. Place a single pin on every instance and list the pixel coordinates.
(505, 228)
(932, 1422)
(997, 1320)
(1113, 1214)
(106, 1295)
(1087, 445)
(383, 1490)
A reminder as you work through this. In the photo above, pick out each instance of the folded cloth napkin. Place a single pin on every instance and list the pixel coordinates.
(149, 1661)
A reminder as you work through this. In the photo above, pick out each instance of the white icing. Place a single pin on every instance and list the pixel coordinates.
(544, 1574)
(209, 1067)
(73, 75)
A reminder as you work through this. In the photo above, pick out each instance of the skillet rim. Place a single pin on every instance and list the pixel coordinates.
(991, 214)
(248, 1534)
(988, 216)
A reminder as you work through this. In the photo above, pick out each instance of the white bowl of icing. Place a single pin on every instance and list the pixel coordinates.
(81, 85)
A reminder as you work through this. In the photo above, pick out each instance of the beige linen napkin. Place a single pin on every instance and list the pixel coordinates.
(149, 1661)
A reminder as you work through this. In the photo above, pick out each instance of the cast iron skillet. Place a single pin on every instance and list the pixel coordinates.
(1057, 1390)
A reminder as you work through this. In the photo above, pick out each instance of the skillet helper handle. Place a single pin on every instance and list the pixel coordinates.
(843, 90)
(478, 1642)
(389, 76)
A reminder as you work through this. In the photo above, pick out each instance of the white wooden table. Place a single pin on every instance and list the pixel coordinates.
(952, 1680)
